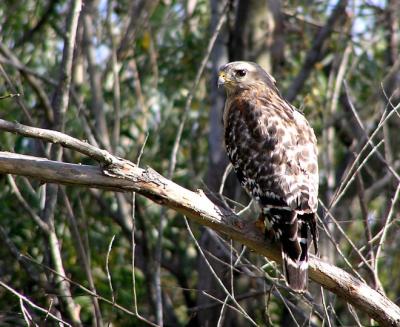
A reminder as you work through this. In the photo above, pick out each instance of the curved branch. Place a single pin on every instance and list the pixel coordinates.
(122, 175)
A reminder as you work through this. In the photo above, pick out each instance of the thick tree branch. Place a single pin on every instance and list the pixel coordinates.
(122, 175)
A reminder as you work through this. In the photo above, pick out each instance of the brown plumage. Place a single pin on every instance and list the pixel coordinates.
(273, 151)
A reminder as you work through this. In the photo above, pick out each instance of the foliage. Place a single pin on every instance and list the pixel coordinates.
(132, 74)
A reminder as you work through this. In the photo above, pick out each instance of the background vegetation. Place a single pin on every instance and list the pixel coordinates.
(142, 74)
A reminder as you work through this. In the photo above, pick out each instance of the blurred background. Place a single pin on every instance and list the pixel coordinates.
(144, 75)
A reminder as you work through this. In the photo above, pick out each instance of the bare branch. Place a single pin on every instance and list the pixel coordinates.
(314, 54)
(33, 305)
(57, 138)
(123, 175)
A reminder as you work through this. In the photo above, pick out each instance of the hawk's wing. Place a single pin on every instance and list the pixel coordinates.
(273, 150)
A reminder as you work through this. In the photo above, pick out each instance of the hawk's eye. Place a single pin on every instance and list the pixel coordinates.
(240, 72)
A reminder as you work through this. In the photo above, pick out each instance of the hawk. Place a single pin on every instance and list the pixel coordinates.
(274, 154)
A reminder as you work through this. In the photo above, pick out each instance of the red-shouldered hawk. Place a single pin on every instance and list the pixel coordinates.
(273, 151)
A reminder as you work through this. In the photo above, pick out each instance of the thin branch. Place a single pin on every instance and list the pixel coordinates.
(33, 305)
(189, 99)
(15, 252)
(314, 54)
(133, 242)
(82, 254)
(350, 175)
(61, 97)
(368, 234)
(57, 138)
(91, 293)
(116, 82)
(325, 307)
(18, 99)
(10, 95)
(336, 245)
(108, 269)
(386, 226)
(31, 77)
(97, 99)
(342, 232)
(25, 205)
(220, 283)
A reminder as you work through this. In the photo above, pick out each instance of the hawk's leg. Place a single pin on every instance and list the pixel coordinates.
(260, 222)
(269, 233)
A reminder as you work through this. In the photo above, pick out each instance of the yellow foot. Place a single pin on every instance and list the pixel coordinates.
(239, 224)
(270, 234)
(260, 223)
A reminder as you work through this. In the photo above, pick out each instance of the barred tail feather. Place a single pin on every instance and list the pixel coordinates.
(311, 220)
(295, 263)
(293, 230)
(296, 273)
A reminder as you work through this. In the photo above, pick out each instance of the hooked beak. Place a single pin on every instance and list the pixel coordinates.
(221, 79)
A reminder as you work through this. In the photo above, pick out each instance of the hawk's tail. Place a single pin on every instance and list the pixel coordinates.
(292, 230)
(295, 256)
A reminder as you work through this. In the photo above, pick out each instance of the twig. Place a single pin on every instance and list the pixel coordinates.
(27, 316)
(61, 97)
(336, 245)
(231, 266)
(314, 53)
(133, 242)
(222, 313)
(189, 98)
(25, 205)
(386, 227)
(88, 291)
(344, 185)
(325, 308)
(33, 305)
(10, 95)
(367, 233)
(97, 100)
(221, 284)
(13, 90)
(82, 254)
(108, 269)
(58, 138)
(227, 171)
(287, 307)
(342, 190)
(340, 229)
(32, 79)
(116, 85)
(354, 314)
(241, 212)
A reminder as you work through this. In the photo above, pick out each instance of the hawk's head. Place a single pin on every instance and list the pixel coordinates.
(241, 75)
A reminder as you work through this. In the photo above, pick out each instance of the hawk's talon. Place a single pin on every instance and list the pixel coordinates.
(260, 223)
(270, 234)
(239, 224)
